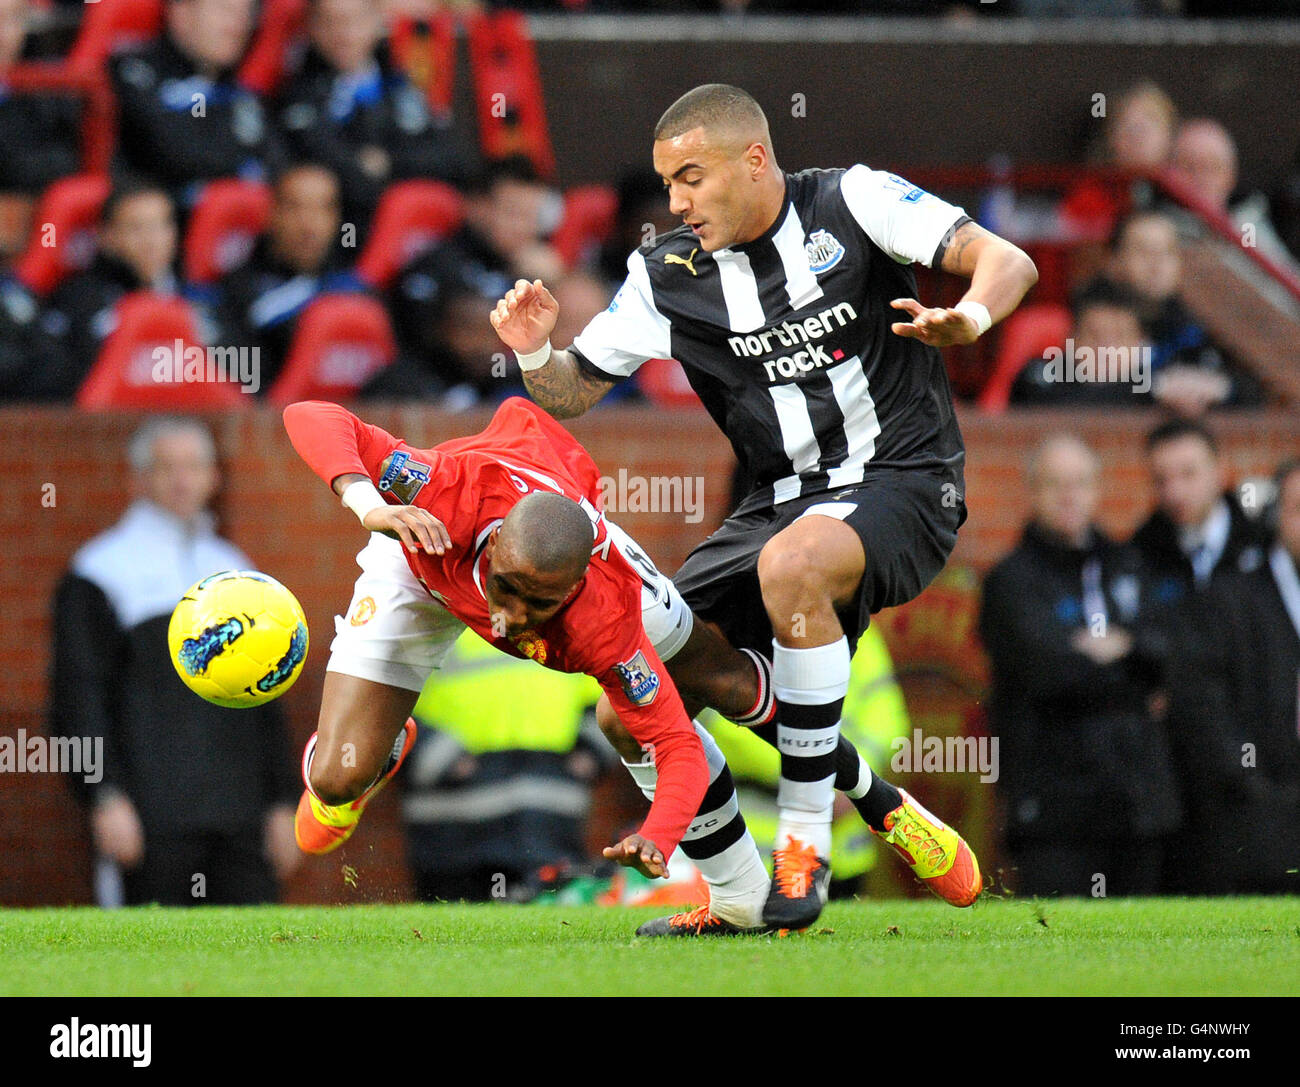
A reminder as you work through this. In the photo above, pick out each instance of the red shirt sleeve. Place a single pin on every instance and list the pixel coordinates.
(662, 726)
(334, 442)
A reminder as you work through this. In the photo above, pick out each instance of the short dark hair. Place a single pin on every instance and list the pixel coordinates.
(128, 188)
(706, 106)
(1171, 430)
(551, 531)
(1105, 292)
(515, 167)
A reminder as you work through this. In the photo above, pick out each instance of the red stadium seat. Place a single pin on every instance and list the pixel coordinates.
(663, 382)
(589, 213)
(131, 373)
(425, 49)
(63, 240)
(276, 37)
(1026, 334)
(110, 25)
(412, 216)
(223, 229)
(341, 341)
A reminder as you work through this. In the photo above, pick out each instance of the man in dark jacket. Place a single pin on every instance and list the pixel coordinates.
(297, 260)
(184, 119)
(196, 802)
(39, 139)
(350, 107)
(1197, 535)
(1090, 794)
(137, 252)
(1234, 692)
(1198, 528)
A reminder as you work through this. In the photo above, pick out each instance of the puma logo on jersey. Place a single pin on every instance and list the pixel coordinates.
(673, 258)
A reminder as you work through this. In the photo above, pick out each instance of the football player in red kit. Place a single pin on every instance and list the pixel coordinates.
(501, 532)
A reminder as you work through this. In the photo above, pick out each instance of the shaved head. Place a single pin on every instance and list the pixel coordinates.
(550, 533)
(732, 119)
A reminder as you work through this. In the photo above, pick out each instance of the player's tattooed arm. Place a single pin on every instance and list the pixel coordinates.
(1000, 273)
(563, 388)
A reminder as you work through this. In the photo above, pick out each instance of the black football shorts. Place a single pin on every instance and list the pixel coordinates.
(907, 521)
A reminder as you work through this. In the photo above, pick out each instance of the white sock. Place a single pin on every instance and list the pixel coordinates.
(738, 882)
(810, 685)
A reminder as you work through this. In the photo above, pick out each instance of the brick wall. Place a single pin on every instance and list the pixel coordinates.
(293, 528)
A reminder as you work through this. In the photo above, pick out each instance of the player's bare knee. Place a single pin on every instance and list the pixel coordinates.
(334, 783)
(790, 578)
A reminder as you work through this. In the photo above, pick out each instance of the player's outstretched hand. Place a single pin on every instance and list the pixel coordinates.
(415, 527)
(936, 327)
(526, 316)
(639, 853)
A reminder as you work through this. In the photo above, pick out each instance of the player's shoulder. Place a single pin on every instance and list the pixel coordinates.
(607, 618)
(815, 180)
(679, 241)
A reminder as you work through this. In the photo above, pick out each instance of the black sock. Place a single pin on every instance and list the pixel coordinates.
(881, 799)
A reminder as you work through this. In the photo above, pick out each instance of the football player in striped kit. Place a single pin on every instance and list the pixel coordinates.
(789, 301)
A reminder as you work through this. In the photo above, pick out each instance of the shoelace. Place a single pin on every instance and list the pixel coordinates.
(698, 918)
(795, 865)
(909, 828)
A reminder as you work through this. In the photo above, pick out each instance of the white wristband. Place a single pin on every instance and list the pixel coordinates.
(978, 312)
(362, 496)
(535, 360)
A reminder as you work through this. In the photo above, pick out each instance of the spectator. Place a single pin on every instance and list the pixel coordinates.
(351, 108)
(491, 795)
(1197, 534)
(296, 261)
(1205, 159)
(1146, 257)
(189, 789)
(462, 365)
(184, 119)
(39, 139)
(1086, 770)
(1138, 135)
(137, 252)
(1198, 529)
(1234, 690)
(509, 212)
(1105, 361)
(27, 350)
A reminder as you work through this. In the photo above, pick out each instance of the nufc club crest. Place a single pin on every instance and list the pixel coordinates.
(404, 477)
(823, 250)
(640, 681)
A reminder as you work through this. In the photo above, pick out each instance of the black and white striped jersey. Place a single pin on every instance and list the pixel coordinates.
(786, 338)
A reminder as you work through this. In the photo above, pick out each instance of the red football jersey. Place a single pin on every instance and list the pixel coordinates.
(470, 484)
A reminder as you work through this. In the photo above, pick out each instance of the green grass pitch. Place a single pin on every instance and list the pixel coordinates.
(1000, 947)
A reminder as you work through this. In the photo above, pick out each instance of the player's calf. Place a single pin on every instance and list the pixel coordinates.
(320, 826)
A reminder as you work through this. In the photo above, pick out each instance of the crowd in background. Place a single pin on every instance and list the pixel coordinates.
(346, 122)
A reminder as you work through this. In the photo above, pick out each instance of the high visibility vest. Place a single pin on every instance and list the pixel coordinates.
(874, 715)
(491, 701)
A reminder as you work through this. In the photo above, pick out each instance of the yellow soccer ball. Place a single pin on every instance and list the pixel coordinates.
(238, 638)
